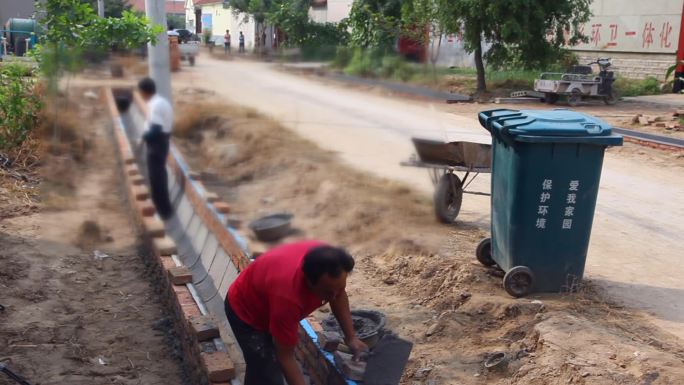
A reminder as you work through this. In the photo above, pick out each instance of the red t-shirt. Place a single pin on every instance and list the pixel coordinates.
(271, 293)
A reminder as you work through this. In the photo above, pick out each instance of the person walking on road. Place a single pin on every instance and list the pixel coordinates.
(274, 293)
(157, 136)
(226, 42)
(242, 42)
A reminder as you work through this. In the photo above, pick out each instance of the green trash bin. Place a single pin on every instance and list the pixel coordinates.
(546, 168)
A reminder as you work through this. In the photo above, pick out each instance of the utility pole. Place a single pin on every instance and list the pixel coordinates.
(100, 8)
(158, 55)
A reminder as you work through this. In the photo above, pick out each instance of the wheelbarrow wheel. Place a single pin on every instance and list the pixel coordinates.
(518, 281)
(575, 97)
(484, 252)
(551, 98)
(448, 198)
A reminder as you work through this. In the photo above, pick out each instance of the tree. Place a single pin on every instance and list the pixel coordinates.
(530, 33)
(375, 23)
(175, 21)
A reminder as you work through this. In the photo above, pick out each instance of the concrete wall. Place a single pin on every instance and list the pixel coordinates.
(333, 12)
(641, 37)
(222, 19)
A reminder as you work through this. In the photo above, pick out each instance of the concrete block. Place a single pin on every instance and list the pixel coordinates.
(167, 263)
(140, 193)
(180, 275)
(329, 341)
(165, 246)
(146, 208)
(222, 207)
(219, 366)
(353, 370)
(204, 327)
(154, 227)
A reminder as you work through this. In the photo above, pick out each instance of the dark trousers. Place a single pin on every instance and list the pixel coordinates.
(259, 352)
(157, 151)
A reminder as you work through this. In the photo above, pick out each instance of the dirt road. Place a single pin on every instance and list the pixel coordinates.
(634, 254)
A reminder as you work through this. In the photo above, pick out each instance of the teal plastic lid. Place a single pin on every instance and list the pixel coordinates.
(544, 126)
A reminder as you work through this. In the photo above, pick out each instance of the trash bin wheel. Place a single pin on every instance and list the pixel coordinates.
(551, 98)
(448, 198)
(575, 97)
(518, 281)
(484, 252)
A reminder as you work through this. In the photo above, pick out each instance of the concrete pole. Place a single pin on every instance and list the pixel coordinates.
(100, 8)
(158, 55)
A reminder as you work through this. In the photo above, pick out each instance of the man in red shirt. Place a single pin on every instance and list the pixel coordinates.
(268, 300)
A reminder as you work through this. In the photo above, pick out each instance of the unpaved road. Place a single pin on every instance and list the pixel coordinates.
(634, 254)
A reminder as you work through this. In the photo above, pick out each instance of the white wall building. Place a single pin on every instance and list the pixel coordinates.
(212, 15)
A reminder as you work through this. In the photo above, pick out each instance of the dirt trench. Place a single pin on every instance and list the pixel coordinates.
(423, 275)
(79, 304)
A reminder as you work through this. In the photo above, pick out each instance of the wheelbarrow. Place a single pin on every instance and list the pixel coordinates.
(452, 167)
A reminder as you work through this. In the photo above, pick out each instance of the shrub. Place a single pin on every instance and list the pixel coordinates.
(361, 64)
(343, 56)
(636, 87)
(20, 105)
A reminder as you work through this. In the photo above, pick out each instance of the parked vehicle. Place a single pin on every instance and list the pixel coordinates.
(185, 35)
(578, 83)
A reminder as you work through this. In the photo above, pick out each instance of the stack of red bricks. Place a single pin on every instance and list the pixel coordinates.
(312, 358)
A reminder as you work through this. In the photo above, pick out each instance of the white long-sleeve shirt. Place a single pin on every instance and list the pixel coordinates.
(160, 112)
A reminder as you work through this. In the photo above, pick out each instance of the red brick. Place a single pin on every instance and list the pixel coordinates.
(204, 327)
(129, 159)
(354, 370)
(180, 275)
(190, 311)
(329, 341)
(140, 192)
(167, 263)
(132, 170)
(193, 175)
(219, 366)
(315, 325)
(222, 207)
(185, 298)
(146, 208)
(164, 246)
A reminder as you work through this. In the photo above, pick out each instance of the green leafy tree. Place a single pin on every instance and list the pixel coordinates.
(375, 23)
(530, 33)
(175, 21)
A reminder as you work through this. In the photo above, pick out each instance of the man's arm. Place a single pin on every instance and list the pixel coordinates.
(286, 359)
(341, 310)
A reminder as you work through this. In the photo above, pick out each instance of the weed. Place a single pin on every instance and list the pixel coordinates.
(635, 87)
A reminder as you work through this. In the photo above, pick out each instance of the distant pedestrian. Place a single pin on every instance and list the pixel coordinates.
(226, 42)
(242, 42)
(156, 135)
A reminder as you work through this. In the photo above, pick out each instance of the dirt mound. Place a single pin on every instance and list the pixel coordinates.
(421, 274)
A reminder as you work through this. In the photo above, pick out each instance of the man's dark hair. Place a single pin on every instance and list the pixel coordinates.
(147, 86)
(326, 260)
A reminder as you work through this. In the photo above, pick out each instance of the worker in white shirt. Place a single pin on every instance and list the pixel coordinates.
(156, 135)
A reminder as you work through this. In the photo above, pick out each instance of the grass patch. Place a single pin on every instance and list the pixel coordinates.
(637, 87)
